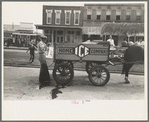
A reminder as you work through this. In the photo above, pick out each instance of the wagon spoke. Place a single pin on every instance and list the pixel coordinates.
(102, 79)
(98, 80)
(95, 79)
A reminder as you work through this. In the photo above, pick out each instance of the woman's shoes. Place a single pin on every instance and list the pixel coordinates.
(39, 87)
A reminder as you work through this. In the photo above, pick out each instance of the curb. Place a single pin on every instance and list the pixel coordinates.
(15, 48)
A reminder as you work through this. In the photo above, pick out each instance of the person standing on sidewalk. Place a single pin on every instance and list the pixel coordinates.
(32, 52)
(44, 76)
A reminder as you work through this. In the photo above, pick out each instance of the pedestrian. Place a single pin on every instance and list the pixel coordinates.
(112, 46)
(124, 43)
(44, 76)
(111, 41)
(31, 48)
(142, 43)
(137, 43)
(130, 43)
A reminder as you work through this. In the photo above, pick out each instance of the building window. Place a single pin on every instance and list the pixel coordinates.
(128, 13)
(89, 13)
(76, 17)
(118, 14)
(138, 15)
(57, 16)
(46, 32)
(78, 33)
(49, 16)
(67, 17)
(98, 15)
(70, 32)
(89, 17)
(108, 13)
(48, 35)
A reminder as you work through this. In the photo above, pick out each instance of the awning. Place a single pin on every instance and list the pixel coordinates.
(57, 26)
(91, 30)
(25, 34)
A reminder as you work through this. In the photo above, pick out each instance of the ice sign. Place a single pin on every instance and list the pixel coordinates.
(81, 51)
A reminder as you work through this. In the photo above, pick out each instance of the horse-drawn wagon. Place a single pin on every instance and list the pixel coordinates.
(66, 54)
(95, 56)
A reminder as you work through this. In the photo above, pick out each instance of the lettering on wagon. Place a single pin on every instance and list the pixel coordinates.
(98, 51)
(81, 51)
(65, 50)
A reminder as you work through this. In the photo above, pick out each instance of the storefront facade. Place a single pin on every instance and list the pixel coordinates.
(62, 24)
(96, 15)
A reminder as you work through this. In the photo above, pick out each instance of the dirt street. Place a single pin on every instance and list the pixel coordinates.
(21, 83)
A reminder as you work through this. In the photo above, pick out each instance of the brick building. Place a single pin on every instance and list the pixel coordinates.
(62, 23)
(96, 15)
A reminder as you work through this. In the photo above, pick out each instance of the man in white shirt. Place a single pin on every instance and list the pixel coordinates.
(112, 46)
(111, 41)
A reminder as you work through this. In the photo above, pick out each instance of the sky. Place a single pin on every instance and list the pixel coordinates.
(31, 12)
(16, 12)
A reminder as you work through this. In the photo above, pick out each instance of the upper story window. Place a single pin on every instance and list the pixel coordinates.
(128, 13)
(98, 15)
(138, 15)
(89, 13)
(118, 14)
(108, 13)
(57, 16)
(76, 17)
(67, 17)
(49, 16)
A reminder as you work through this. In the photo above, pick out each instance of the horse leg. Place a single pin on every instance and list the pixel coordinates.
(128, 66)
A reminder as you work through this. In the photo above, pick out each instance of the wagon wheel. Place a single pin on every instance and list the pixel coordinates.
(99, 76)
(90, 65)
(63, 74)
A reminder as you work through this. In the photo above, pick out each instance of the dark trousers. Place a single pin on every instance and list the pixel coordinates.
(126, 68)
(32, 55)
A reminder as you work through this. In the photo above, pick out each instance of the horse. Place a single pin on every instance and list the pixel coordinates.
(133, 54)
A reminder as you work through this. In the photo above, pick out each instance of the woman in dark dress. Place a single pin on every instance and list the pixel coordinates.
(44, 77)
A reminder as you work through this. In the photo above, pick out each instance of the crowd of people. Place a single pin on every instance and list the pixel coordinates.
(139, 42)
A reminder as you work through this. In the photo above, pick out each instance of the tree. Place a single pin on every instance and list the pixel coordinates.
(122, 28)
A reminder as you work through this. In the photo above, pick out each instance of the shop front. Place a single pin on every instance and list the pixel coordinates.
(93, 32)
(61, 34)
